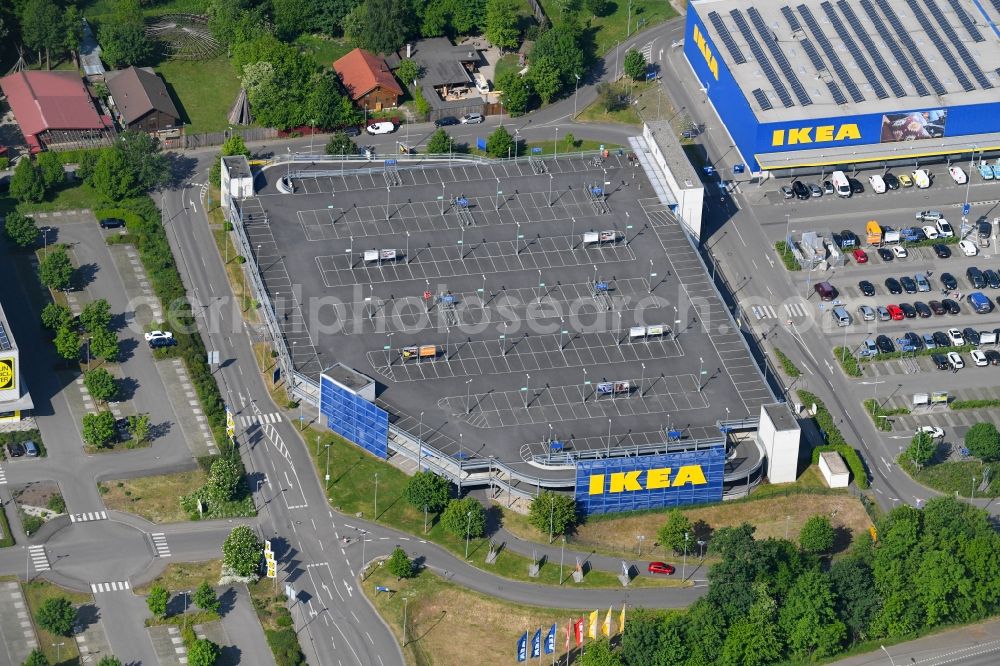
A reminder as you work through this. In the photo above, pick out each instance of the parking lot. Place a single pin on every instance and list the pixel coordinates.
(501, 306)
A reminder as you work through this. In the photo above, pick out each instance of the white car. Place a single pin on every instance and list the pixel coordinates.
(163, 335)
(979, 358)
(958, 175)
(955, 359)
(899, 251)
(878, 185)
(930, 232)
(933, 431)
(955, 337)
(944, 228)
(381, 128)
(968, 248)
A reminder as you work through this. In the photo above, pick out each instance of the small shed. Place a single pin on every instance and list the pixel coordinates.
(834, 470)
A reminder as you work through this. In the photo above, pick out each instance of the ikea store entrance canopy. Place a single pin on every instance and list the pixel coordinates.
(845, 81)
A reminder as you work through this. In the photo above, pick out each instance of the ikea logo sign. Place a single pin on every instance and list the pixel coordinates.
(797, 136)
(706, 51)
(656, 478)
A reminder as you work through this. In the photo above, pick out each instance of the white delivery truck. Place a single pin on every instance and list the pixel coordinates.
(921, 178)
(840, 184)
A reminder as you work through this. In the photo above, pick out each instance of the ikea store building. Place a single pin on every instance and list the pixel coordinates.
(806, 86)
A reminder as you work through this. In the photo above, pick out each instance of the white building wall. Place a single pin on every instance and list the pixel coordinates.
(782, 448)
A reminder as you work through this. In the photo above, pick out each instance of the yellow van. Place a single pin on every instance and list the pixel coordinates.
(874, 232)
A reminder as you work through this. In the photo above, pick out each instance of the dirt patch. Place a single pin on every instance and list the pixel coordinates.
(36, 494)
(155, 498)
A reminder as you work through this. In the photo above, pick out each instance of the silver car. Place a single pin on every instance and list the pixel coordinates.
(867, 312)
(883, 313)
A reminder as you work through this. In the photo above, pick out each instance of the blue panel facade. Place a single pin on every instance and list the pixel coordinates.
(650, 482)
(354, 418)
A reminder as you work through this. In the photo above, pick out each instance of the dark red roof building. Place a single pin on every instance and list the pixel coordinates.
(55, 110)
(368, 80)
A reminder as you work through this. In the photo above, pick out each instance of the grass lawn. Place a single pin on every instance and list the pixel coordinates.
(613, 27)
(203, 91)
(73, 197)
(95, 9)
(506, 64)
(323, 50)
(596, 113)
(35, 593)
(952, 477)
(234, 270)
(155, 498)
(185, 576)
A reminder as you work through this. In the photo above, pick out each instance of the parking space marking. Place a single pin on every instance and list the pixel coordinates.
(116, 586)
(38, 558)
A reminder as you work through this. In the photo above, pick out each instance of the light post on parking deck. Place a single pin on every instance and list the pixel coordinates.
(327, 466)
(701, 369)
(551, 178)
(609, 436)
(387, 192)
(576, 88)
(685, 565)
(642, 378)
(375, 512)
(555, 144)
(468, 396)
(496, 201)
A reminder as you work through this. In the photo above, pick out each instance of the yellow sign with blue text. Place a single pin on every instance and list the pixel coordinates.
(795, 136)
(650, 479)
(706, 51)
(8, 374)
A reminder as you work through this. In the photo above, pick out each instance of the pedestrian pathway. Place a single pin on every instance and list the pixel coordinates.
(259, 419)
(86, 517)
(3, 476)
(15, 624)
(160, 543)
(39, 558)
(116, 586)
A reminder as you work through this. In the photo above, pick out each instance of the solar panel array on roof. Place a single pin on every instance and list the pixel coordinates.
(904, 63)
(942, 48)
(852, 46)
(762, 100)
(824, 43)
(969, 24)
(869, 44)
(793, 22)
(765, 64)
(963, 52)
(838, 95)
(4, 340)
(914, 52)
(996, 4)
(779, 56)
(727, 38)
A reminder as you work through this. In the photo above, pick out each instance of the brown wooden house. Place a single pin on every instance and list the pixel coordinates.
(141, 101)
(368, 80)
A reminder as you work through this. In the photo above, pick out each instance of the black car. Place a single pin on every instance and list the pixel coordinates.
(156, 343)
(856, 186)
(951, 306)
(891, 181)
(937, 308)
(885, 254)
(975, 277)
(867, 288)
(884, 344)
(849, 239)
(940, 361)
(446, 121)
(908, 310)
(908, 284)
(122, 431)
(892, 284)
(949, 282)
(992, 278)
(942, 251)
(112, 223)
(15, 449)
(352, 131)
(915, 340)
(971, 335)
(993, 356)
(801, 190)
(941, 339)
(922, 310)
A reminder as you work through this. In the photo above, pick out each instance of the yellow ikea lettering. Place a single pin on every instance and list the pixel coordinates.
(822, 134)
(656, 478)
(706, 52)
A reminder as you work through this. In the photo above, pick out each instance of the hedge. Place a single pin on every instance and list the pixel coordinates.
(875, 411)
(835, 440)
(974, 404)
(791, 263)
(786, 364)
(847, 361)
(74, 156)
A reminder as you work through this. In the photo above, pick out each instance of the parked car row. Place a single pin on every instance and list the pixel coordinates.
(953, 337)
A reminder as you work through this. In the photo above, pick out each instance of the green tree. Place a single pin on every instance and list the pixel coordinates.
(71, 29)
(408, 71)
(40, 27)
(55, 270)
(142, 155)
(983, 441)
(733, 543)
(104, 344)
(856, 598)
(56, 316)
(27, 184)
(56, 615)
(553, 513)
(67, 343)
(341, 144)
(515, 92)
(225, 479)
(278, 79)
(156, 600)
(242, 551)
(111, 177)
(436, 18)
(545, 81)
(427, 489)
(205, 598)
(380, 26)
(323, 105)
(20, 229)
(754, 640)
(399, 564)
(500, 143)
(203, 652)
(562, 51)
(921, 449)
(50, 167)
(439, 142)
(99, 429)
(599, 653)
(138, 427)
(634, 65)
(124, 44)
(641, 639)
(817, 535)
(671, 535)
(501, 23)
(96, 315)
(808, 619)
(109, 661)
(36, 658)
(101, 385)
(85, 169)
(235, 145)
(463, 516)
(596, 7)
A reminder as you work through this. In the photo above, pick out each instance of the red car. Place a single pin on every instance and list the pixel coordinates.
(895, 312)
(661, 568)
(860, 256)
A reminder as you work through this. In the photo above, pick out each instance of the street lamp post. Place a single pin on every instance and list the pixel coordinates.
(552, 509)
(640, 538)
(701, 369)
(405, 599)
(58, 646)
(468, 395)
(562, 553)
(375, 512)
(555, 144)
(551, 178)
(576, 87)
(185, 594)
(387, 193)
(327, 465)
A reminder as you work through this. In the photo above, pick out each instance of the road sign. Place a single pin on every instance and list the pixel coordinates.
(966, 208)
(231, 422)
(382, 588)
(536, 150)
(213, 358)
(267, 547)
(739, 168)
(480, 143)
(272, 569)
(709, 170)
(289, 591)
(390, 163)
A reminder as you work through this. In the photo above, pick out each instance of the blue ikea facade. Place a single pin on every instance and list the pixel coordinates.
(754, 138)
(354, 417)
(650, 482)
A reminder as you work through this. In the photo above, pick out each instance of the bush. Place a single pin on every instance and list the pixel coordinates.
(399, 564)
(205, 598)
(36, 658)
(56, 316)
(31, 524)
(881, 416)
(500, 143)
(56, 504)
(340, 144)
(284, 644)
(156, 600)
(427, 489)
(553, 513)
(203, 652)
(817, 535)
(835, 440)
(57, 616)
(101, 385)
(787, 258)
(786, 364)
(922, 449)
(983, 441)
(225, 479)
(464, 517)
(848, 361)
(242, 552)
(55, 270)
(974, 404)
(99, 429)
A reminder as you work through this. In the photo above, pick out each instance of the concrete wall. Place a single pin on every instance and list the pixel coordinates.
(782, 448)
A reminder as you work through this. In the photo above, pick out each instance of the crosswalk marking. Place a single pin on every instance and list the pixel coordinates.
(763, 312)
(90, 515)
(160, 543)
(39, 558)
(117, 586)
(258, 419)
(3, 477)
(796, 309)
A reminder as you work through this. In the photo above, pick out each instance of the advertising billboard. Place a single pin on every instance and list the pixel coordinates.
(354, 418)
(913, 126)
(650, 482)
